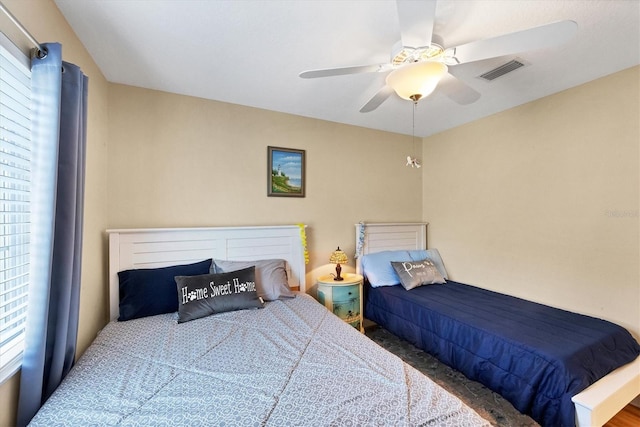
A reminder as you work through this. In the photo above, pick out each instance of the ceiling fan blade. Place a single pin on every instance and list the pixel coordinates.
(312, 74)
(458, 91)
(534, 38)
(377, 99)
(416, 22)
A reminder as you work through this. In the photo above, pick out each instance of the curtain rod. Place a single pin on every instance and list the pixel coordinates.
(41, 52)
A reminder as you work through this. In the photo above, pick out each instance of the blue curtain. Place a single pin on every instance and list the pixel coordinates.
(59, 102)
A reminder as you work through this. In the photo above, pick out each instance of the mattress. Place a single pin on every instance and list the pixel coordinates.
(290, 363)
(535, 356)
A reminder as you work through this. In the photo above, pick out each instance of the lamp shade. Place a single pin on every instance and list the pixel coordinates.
(416, 80)
(338, 257)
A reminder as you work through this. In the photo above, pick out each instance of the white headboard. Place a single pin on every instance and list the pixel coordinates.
(380, 237)
(160, 247)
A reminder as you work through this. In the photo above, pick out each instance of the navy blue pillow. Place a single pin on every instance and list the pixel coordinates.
(151, 291)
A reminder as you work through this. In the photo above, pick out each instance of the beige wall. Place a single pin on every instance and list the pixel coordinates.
(541, 201)
(538, 201)
(45, 23)
(183, 161)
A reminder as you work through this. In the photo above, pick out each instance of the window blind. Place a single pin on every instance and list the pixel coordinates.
(15, 199)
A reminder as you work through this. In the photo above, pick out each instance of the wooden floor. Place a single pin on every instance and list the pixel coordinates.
(628, 417)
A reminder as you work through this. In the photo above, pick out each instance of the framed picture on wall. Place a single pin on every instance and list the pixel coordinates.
(285, 172)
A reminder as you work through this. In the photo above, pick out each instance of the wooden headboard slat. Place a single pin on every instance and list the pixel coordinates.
(159, 247)
(380, 237)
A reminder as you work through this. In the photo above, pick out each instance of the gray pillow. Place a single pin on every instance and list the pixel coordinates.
(206, 294)
(271, 276)
(417, 273)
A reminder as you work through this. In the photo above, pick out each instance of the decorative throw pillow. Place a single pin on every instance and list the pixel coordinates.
(377, 268)
(271, 276)
(151, 291)
(417, 273)
(433, 255)
(200, 296)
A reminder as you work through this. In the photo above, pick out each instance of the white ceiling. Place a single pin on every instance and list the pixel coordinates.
(251, 52)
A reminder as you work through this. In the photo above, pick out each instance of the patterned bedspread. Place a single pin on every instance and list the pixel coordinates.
(291, 363)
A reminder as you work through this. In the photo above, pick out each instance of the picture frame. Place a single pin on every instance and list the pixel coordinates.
(286, 168)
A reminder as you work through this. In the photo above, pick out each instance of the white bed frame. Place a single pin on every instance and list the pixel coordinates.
(595, 405)
(159, 247)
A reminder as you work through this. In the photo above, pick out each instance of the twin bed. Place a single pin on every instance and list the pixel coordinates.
(561, 368)
(292, 362)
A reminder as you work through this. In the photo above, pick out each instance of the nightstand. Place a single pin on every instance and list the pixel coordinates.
(343, 298)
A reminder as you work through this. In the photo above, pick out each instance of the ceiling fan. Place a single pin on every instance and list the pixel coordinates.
(418, 61)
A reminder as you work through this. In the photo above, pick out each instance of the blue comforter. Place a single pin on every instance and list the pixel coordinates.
(535, 356)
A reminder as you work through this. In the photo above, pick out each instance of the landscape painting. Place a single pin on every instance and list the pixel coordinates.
(286, 172)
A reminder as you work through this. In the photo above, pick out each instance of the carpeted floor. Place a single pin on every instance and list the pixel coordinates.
(489, 405)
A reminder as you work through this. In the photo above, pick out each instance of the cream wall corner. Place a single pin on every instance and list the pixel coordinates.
(542, 201)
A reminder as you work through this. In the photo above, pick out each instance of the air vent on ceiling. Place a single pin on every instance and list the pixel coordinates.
(502, 70)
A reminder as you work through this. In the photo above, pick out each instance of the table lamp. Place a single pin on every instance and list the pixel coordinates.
(338, 257)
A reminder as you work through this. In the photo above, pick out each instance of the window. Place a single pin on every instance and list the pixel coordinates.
(15, 198)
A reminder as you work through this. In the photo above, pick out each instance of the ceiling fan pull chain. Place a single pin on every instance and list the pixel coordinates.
(413, 161)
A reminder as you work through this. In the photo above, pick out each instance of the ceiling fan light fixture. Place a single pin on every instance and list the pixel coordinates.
(405, 55)
(417, 80)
